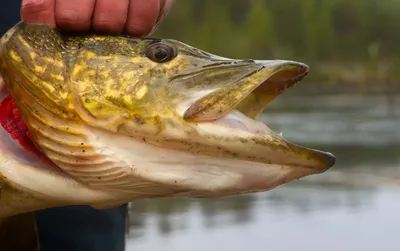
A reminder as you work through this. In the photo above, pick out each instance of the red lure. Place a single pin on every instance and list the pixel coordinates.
(10, 119)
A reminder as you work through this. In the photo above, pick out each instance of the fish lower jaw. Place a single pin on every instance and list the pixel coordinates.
(151, 170)
(241, 137)
(237, 120)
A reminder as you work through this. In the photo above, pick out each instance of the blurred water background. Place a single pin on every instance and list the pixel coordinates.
(349, 105)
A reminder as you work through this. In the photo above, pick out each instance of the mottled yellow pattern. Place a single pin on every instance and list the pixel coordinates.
(142, 87)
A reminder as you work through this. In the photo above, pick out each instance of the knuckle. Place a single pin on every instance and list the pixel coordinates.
(69, 16)
(138, 29)
(35, 6)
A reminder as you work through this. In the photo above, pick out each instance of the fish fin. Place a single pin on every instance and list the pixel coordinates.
(19, 233)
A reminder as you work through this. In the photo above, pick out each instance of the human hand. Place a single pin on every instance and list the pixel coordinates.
(136, 17)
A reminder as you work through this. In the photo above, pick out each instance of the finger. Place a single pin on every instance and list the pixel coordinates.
(165, 6)
(162, 4)
(110, 16)
(38, 11)
(161, 11)
(74, 15)
(2, 83)
(168, 5)
(142, 15)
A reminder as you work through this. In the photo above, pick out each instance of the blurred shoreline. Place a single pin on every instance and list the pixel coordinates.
(351, 45)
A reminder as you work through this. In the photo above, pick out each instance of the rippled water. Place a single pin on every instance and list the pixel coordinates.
(337, 119)
(347, 208)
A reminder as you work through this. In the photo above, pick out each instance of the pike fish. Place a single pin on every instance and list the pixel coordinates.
(112, 119)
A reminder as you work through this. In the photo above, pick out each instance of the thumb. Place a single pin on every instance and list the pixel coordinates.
(165, 7)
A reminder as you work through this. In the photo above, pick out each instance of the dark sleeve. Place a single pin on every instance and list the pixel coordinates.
(82, 228)
(9, 14)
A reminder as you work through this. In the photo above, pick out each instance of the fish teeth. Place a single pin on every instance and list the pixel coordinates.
(281, 134)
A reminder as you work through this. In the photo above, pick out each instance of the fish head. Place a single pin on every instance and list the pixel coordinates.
(127, 118)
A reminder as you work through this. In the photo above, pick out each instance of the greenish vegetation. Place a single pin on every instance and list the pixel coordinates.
(343, 41)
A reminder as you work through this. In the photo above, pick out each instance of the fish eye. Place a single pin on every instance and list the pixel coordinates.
(160, 53)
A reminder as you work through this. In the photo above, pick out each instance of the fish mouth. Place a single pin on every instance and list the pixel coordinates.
(235, 105)
(249, 92)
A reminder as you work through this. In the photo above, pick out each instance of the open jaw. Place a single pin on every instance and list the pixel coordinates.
(243, 115)
(231, 112)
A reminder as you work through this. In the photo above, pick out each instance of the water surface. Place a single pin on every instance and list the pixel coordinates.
(348, 208)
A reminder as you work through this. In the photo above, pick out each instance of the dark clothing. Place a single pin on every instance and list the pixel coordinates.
(80, 228)
(9, 14)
